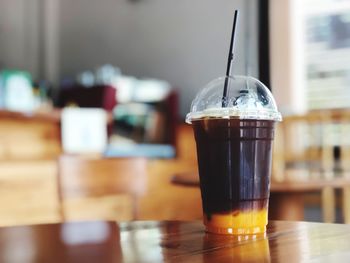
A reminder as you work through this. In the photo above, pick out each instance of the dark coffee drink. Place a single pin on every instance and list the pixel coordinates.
(234, 159)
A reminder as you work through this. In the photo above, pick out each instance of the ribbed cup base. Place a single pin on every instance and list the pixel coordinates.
(236, 231)
(242, 223)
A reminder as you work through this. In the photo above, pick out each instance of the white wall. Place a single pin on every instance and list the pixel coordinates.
(184, 41)
(19, 35)
(51, 33)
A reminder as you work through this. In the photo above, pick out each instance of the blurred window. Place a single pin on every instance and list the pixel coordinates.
(327, 44)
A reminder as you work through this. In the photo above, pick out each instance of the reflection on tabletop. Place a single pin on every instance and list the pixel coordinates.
(158, 241)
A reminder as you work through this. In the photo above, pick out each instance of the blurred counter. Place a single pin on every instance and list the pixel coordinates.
(26, 136)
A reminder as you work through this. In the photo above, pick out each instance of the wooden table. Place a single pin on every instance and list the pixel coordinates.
(286, 198)
(172, 241)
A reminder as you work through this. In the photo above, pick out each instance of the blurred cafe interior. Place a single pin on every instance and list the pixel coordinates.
(93, 97)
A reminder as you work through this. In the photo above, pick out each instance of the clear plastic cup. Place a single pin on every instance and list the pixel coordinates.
(234, 137)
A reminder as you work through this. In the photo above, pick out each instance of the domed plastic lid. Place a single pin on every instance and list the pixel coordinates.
(247, 98)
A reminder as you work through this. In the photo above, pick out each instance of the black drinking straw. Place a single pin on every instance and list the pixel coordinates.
(229, 59)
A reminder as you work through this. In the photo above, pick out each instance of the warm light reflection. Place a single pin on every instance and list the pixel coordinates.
(255, 250)
(236, 248)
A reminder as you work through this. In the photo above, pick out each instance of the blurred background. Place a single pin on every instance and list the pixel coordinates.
(86, 83)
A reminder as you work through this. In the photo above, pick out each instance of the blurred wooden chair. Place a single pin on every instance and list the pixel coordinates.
(29, 146)
(306, 153)
(166, 200)
(100, 188)
(345, 163)
(28, 192)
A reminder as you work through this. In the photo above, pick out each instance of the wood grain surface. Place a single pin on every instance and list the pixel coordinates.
(172, 241)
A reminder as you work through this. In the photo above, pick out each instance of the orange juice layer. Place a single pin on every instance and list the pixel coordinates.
(252, 222)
